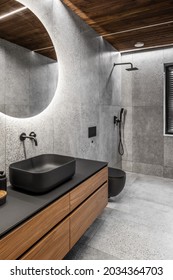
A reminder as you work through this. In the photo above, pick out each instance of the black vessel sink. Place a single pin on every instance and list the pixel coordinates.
(42, 173)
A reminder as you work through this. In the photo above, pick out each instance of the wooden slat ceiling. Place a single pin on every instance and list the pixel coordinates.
(25, 29)
(125, 22)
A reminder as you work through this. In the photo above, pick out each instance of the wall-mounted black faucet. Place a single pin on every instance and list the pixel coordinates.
(31, 136)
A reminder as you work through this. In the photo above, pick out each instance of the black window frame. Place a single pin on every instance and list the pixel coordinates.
(168, 96)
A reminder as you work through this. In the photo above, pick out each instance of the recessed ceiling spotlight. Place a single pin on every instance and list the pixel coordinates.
(139, 45)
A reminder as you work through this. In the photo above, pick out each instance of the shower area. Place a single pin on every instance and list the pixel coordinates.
(146, 149)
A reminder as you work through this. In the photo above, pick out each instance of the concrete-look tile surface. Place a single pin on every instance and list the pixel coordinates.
(148, 135)
(108, 140)
(168, 172)
(110, 76)
(2, 141)
(126, 81)
(137, 224)
(148, 80)
(127, 134)
(147, 169)
(88, 147)
(168, 149)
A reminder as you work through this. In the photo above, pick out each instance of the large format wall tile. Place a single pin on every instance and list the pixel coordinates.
(110, 77)
(126, 81)
(168, 151)
(2, 76)
(108, 145)
(168, 172)
(127, 165)
(147, 169)
(89, 147)
(89, 63)
(147, 135)
(67, 129)
(148, 80)
(127, 129)
(2, 142)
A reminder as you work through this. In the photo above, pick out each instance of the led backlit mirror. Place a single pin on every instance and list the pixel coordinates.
(29, 68)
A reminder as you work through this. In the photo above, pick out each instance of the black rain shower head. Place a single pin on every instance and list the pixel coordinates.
(131, 68)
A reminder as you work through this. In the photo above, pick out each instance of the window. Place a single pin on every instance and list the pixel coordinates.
(168, 99)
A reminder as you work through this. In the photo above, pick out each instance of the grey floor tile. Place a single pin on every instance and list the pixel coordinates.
(129, 240)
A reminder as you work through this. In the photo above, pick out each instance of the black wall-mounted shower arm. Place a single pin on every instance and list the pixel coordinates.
(131, 68)
(123, 63)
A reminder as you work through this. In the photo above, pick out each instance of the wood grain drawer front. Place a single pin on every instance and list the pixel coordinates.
(52, 247)
(19, 240)
(84, 190)
(85, 214)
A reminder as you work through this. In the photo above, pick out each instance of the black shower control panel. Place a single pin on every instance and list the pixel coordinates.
(92, 131)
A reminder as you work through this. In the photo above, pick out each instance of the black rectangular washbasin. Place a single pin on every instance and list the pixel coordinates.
(42, 173)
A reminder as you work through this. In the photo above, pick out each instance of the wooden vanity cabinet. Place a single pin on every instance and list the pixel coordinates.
(14, 244)
(52, 232)
(52, 247)
(84, 215)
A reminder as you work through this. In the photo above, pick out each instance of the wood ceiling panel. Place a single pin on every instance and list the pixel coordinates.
(24, 29)
(152, 37)
(115, 16)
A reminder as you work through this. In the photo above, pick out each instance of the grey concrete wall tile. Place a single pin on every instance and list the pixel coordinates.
(2, 74)
(168, 151)
(66, 26)
(148, 169)
(67, 129)
(127, 133)
(168, 172)
(2, 142)
(127, 165)
(108, 145)
(168, 55)
(44, 129)
(126, 81)
(89, 147)
(89, 85)
(110, 77)
(147, 150)
(14, 147)
(148, 135)
(148, 80)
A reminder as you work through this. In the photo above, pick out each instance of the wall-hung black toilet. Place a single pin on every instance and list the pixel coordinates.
(116, 181)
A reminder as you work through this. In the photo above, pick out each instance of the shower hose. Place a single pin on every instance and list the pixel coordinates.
(120, 145)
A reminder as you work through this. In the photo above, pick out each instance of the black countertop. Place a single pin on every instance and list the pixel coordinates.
(20, 206)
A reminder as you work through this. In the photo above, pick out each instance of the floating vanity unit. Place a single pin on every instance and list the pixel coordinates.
(47, 226)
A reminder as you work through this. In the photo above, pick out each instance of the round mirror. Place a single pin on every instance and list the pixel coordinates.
(29, 67)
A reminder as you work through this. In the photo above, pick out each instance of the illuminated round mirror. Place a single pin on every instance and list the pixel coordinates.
(29, 67)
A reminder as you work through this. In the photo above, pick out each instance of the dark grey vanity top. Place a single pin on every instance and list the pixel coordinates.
(19, 206)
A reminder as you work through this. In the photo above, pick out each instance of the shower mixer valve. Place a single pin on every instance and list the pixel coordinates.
(119, 122)
(116, 120)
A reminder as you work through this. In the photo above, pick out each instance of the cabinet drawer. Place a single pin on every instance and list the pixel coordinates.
(21, 239)
(85, 189)
(52, 247)
(85, 214)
